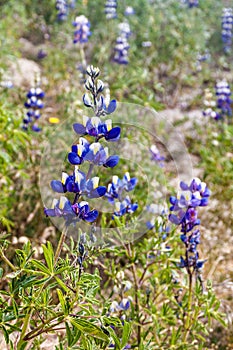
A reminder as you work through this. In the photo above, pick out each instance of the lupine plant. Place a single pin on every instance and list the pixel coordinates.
(227, 28)
(132, 295)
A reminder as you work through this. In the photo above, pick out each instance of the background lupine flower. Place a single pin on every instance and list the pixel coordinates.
(185, 206)
(129, 11)
(125, 207)
(202, 58)
(6, 84)
(82, 29)
(62, 9)
(111, 9)
(124, 30)
(156, 156)
(146, 44)
(223, 93)
(33, 104)
(210, 105)
(121, 51)
(227, 26)
(117, 186)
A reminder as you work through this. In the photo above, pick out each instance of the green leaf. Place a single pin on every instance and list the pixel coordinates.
(39, 265)
(62, 301)
(89, 328)
(125, 334)
(49, 255)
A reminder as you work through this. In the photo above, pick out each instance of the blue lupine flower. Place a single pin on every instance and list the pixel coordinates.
(77, 183)
(97, 128)
(227, 26)
(224, 101)
(33, 103)
(94, 153)
(121, 51)
(62, 8)
(117, 186)
(156, 156)
(129, 11)
(111, 9)
(124, 304)
(82, 29)
(125, 207)
(71, 213)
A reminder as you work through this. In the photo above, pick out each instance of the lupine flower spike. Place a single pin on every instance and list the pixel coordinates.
(33, 104)
(62, 10)
(82, 29)
(227, 27)
(122, 46)
(79, 183)
(220, 108)
(184, 214)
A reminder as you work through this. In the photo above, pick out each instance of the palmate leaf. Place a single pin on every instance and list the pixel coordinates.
(89, 328)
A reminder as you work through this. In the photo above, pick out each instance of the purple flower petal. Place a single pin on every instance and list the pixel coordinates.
(111, 161)
(79, 128)
(113, 134)
(57, 186)
(74, 158)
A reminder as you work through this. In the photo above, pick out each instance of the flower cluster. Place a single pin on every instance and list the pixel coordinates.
(186, 217)
(111, 9)
(221, 107)
(122, 45)
(227, 26)
(33, 104)
(156, 156)
(115, 192)
(129, 11)
(62, 9)
(82, 29)
(223, 93)
(202, 58)
(79, 183)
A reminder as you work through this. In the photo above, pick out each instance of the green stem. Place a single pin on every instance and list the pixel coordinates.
(60, 244)
(189, 317)
(83, 58)
(4, 258)
(27, 320)
(35, 331)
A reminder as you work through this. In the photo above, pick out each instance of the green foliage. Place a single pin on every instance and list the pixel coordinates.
(14, 144)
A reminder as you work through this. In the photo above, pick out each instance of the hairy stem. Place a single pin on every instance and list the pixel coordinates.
(60, 244)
